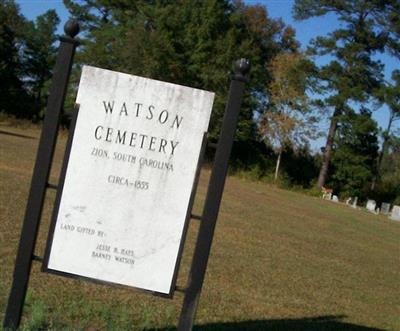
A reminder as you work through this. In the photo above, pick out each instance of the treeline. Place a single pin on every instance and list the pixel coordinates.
(27, 55)
(289, 96)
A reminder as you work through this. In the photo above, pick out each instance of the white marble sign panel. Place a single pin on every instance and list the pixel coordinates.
(128, 182)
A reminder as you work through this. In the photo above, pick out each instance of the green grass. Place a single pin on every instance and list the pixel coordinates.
(280, 261)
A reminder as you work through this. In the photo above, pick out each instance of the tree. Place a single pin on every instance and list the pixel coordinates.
(13, 97)
(388, 187)
(369, 26)
(391, 96)
(356, 152)
(39, 56)
(27, 56)
(189, 42)
(289, 120)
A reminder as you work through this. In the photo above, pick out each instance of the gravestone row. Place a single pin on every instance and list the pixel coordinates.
(371, 206)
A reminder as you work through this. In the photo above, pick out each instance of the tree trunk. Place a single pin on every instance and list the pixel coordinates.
(323, 173)
(278, 162)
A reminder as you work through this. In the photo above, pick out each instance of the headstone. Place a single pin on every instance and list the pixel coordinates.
(385, 208)
(124, 205)
(354, 205)
(395, 215)
(335, 198)
(348, 201)
(371, 205)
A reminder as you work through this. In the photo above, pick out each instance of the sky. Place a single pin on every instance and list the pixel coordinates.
(305, 31)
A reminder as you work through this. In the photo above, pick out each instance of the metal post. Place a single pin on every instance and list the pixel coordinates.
(40, 176)
(213, 198)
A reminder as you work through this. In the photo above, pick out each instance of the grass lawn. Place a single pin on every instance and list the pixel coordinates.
(280, 261)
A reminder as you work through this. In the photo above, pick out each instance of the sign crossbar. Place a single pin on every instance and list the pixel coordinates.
(52, 186)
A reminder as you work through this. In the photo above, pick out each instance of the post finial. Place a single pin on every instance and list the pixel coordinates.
(71, 28)
(241, 68)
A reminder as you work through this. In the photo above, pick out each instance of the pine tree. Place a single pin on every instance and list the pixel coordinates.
(356, 152)
(352, 75)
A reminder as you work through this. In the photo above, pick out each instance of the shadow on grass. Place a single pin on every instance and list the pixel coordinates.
(320, 323)
(16, 135)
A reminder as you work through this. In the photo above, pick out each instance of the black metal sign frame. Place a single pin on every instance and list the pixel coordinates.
(40, 177)
(39, 184)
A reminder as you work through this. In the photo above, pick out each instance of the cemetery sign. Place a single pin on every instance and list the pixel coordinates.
(127, 184)
(122, 211)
